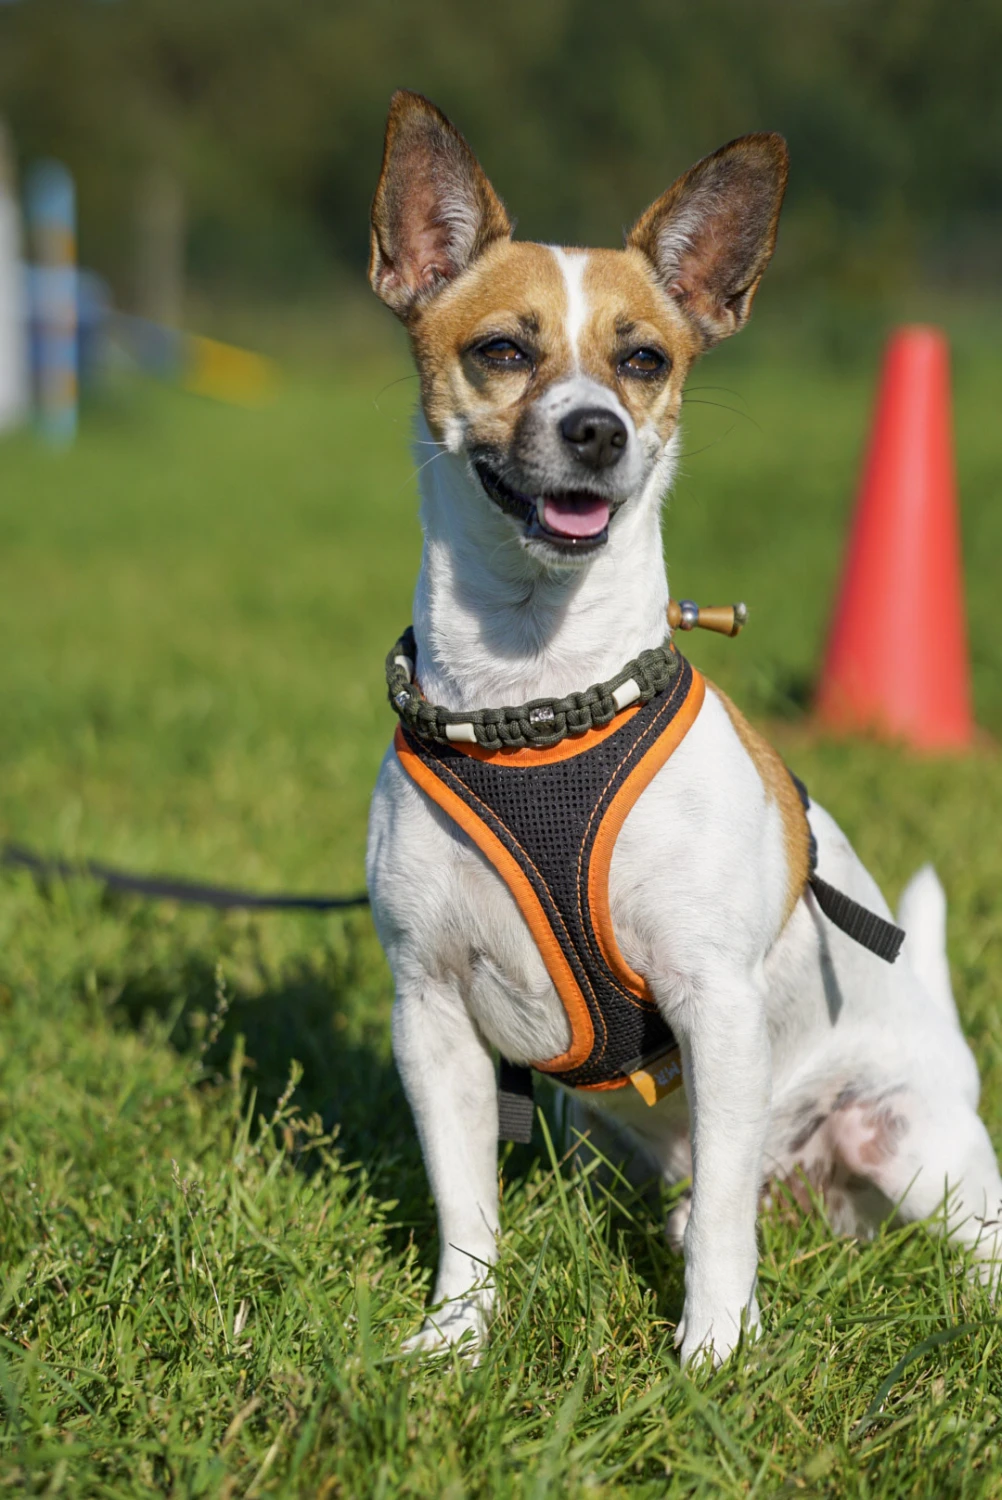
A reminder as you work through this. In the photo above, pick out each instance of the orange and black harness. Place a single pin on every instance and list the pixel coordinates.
(547, 816)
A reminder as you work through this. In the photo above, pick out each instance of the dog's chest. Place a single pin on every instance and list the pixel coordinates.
(505, 984)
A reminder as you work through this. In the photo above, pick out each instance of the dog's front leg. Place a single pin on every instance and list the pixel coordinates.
(727, 1068)
(448, 1077)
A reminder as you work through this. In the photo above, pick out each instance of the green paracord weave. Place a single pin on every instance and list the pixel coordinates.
(537, 725)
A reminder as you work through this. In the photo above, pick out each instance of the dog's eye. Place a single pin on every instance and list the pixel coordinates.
(501, 352)
(643, 362)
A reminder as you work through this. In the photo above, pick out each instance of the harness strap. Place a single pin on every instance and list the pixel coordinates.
(515, 1106)
(864, 926)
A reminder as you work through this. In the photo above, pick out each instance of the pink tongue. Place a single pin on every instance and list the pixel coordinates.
(580, 516)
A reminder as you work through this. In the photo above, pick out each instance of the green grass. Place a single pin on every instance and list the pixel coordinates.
(205, 1279)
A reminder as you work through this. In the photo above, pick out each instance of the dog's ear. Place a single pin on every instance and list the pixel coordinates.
(711, 235)
(434, 211)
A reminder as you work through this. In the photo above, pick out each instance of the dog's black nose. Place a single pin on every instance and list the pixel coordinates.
(597, 436)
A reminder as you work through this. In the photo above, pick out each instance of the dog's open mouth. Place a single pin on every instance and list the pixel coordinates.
(571, 520)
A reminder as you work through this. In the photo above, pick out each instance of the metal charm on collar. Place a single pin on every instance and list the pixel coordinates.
(725, 619)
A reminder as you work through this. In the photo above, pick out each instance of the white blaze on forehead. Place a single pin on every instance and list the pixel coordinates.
(572, 267)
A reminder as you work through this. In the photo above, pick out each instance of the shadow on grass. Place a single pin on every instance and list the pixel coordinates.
(326, 1006)
(328, 1009)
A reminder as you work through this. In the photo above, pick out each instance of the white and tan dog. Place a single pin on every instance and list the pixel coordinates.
(555, 376)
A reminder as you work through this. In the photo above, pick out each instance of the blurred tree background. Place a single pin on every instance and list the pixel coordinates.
(252, 129)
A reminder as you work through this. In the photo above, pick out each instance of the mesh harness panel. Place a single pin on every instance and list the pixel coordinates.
(548, 817)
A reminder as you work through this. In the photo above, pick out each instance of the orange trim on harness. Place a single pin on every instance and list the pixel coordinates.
(605, 840)
(559, 970)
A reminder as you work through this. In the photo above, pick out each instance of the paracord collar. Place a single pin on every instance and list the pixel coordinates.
(539, 724)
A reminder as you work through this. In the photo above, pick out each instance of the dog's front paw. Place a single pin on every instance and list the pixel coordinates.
(715, 1332)
(461, 1323)
(677, 1222)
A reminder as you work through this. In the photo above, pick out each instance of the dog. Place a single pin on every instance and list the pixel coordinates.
(551, 383)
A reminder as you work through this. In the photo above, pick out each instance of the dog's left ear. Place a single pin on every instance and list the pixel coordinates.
(711, 235)
(434, 211)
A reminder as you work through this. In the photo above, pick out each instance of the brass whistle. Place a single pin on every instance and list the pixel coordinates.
(725, 619)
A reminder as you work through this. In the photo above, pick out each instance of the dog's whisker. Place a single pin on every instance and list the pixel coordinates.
(727, 389)
(421, 468)
(722, 406)
(389, 386)
(707, 446)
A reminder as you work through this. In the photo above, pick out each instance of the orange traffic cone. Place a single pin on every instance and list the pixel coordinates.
(897, 661)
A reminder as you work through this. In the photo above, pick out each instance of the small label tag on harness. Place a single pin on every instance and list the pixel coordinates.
(660, 1076)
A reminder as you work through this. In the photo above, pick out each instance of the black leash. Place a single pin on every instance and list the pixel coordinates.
(166, 888)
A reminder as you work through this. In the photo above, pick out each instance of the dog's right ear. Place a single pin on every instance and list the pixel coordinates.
(434, 211)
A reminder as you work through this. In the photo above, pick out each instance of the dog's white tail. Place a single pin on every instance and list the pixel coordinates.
(922, 913)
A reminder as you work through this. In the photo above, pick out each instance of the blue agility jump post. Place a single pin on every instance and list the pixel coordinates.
(52, 217)
(14, 380)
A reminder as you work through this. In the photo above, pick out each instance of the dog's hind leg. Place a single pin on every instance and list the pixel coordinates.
(448, 1077)
(922, 1152)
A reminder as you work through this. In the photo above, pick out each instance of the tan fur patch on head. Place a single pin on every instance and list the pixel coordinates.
(779, 788)
(627, 310)
(513, 290)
